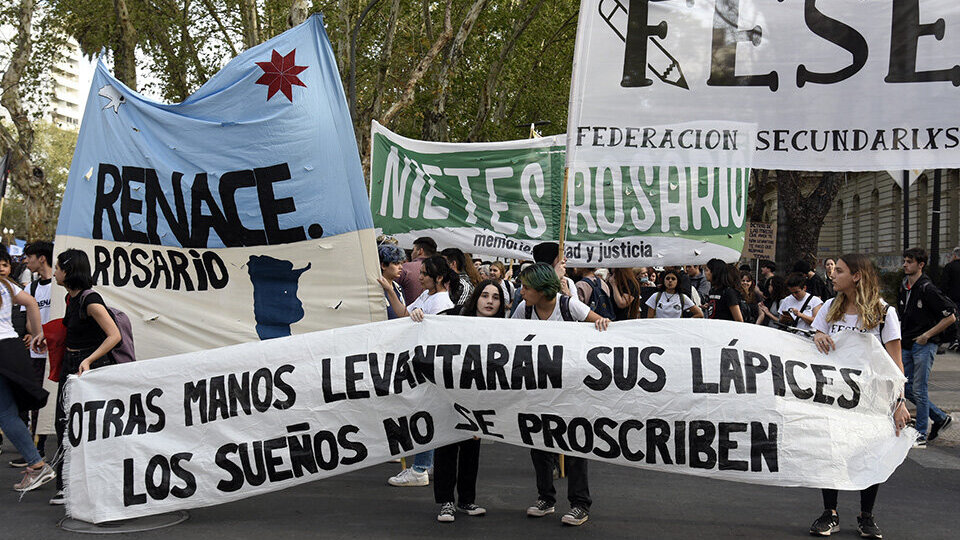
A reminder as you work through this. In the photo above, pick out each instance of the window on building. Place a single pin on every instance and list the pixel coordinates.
(875, 221)
(840, 222)
(856, 223)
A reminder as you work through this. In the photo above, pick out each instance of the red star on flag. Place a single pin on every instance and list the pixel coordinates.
(280, 73)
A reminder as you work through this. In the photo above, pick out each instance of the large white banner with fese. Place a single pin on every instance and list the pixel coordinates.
(709, 398)
(839, 85)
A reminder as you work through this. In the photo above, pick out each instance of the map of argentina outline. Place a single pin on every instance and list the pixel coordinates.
(276, 305)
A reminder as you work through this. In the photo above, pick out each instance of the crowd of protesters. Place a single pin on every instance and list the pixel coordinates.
(428, 281)
(846, 295)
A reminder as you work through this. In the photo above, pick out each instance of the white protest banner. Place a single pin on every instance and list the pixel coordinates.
(236, 215)
(845, 85)
(709, 398)
(503, 198)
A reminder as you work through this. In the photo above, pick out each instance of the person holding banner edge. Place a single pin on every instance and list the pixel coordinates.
(436, 278)
(456, 465)
(91, 334)
(543, 301)
(857, 306)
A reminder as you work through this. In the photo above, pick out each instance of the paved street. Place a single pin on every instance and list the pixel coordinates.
(919, 501)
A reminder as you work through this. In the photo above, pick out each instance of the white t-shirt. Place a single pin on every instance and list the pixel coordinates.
(43, 296)
(891, 325)
(578, 310)
(431, 304)
(790, 302)
(6, 325)
(669, 305)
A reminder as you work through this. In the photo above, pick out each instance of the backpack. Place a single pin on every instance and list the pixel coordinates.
(950, 333)
(600, 302)
(123, 352)
(564, 309)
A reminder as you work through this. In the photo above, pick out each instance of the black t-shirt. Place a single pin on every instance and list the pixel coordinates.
(82, 332)
(720, 302)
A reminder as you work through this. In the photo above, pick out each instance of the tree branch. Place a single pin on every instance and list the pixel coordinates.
(211, 9)
(406, 98)
(352, 92)
(486, 92)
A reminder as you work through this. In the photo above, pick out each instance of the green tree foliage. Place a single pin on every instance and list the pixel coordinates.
(512, 66)
(53, 151)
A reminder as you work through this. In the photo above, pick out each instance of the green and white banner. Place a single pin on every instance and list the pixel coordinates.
(501, 199)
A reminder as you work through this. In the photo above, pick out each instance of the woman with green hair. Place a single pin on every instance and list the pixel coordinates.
(542, 301)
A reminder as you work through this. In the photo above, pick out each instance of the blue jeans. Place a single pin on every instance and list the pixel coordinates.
(917, 365)
(423, 461)
(13, 426)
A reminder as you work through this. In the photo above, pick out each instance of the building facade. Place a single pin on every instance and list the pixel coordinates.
(867, 216)
(66, 109)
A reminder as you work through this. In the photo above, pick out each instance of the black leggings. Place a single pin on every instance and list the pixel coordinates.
(867, 498)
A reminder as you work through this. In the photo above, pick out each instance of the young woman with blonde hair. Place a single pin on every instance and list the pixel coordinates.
(859, 307)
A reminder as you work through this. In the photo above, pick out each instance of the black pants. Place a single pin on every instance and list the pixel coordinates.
(70, 365)
(455, 466)
(578, 488)
(867, 498)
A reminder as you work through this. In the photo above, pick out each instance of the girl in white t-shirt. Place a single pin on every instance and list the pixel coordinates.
(669, 302)
(18, 390)
(436, 277)
(858, 307)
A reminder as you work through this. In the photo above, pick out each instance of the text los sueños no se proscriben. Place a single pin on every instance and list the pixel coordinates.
(702, 444)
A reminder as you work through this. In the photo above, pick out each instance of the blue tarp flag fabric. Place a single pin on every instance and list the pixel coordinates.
(236, 215)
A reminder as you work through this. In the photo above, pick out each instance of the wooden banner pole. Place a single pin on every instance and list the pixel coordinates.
(563, 210)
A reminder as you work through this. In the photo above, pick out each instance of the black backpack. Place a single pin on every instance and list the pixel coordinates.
(600, 301)
(564, 309)
(950, 333)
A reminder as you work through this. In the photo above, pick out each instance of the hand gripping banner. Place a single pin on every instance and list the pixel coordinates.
(239, 214)
(709, 398)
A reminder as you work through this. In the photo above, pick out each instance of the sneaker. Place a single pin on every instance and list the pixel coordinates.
(34, 478)
(577, 516)
(867, 527)
(826, 524)
(541, 509)
(409, 477)
(935, 429)
(57, 499)
(921, 442)
(19, 463)
(472, 509)
(447, 513)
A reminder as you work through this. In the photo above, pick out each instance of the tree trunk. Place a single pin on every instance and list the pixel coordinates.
(125, 61)
(299, 11)
(800, 217)
(435, 121)
(427, 23)
(251, 23)
(760, 178)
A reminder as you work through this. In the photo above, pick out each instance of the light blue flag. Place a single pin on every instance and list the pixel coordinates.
(238, 214)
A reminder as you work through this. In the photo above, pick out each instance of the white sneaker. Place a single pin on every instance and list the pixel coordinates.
(409, 477)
